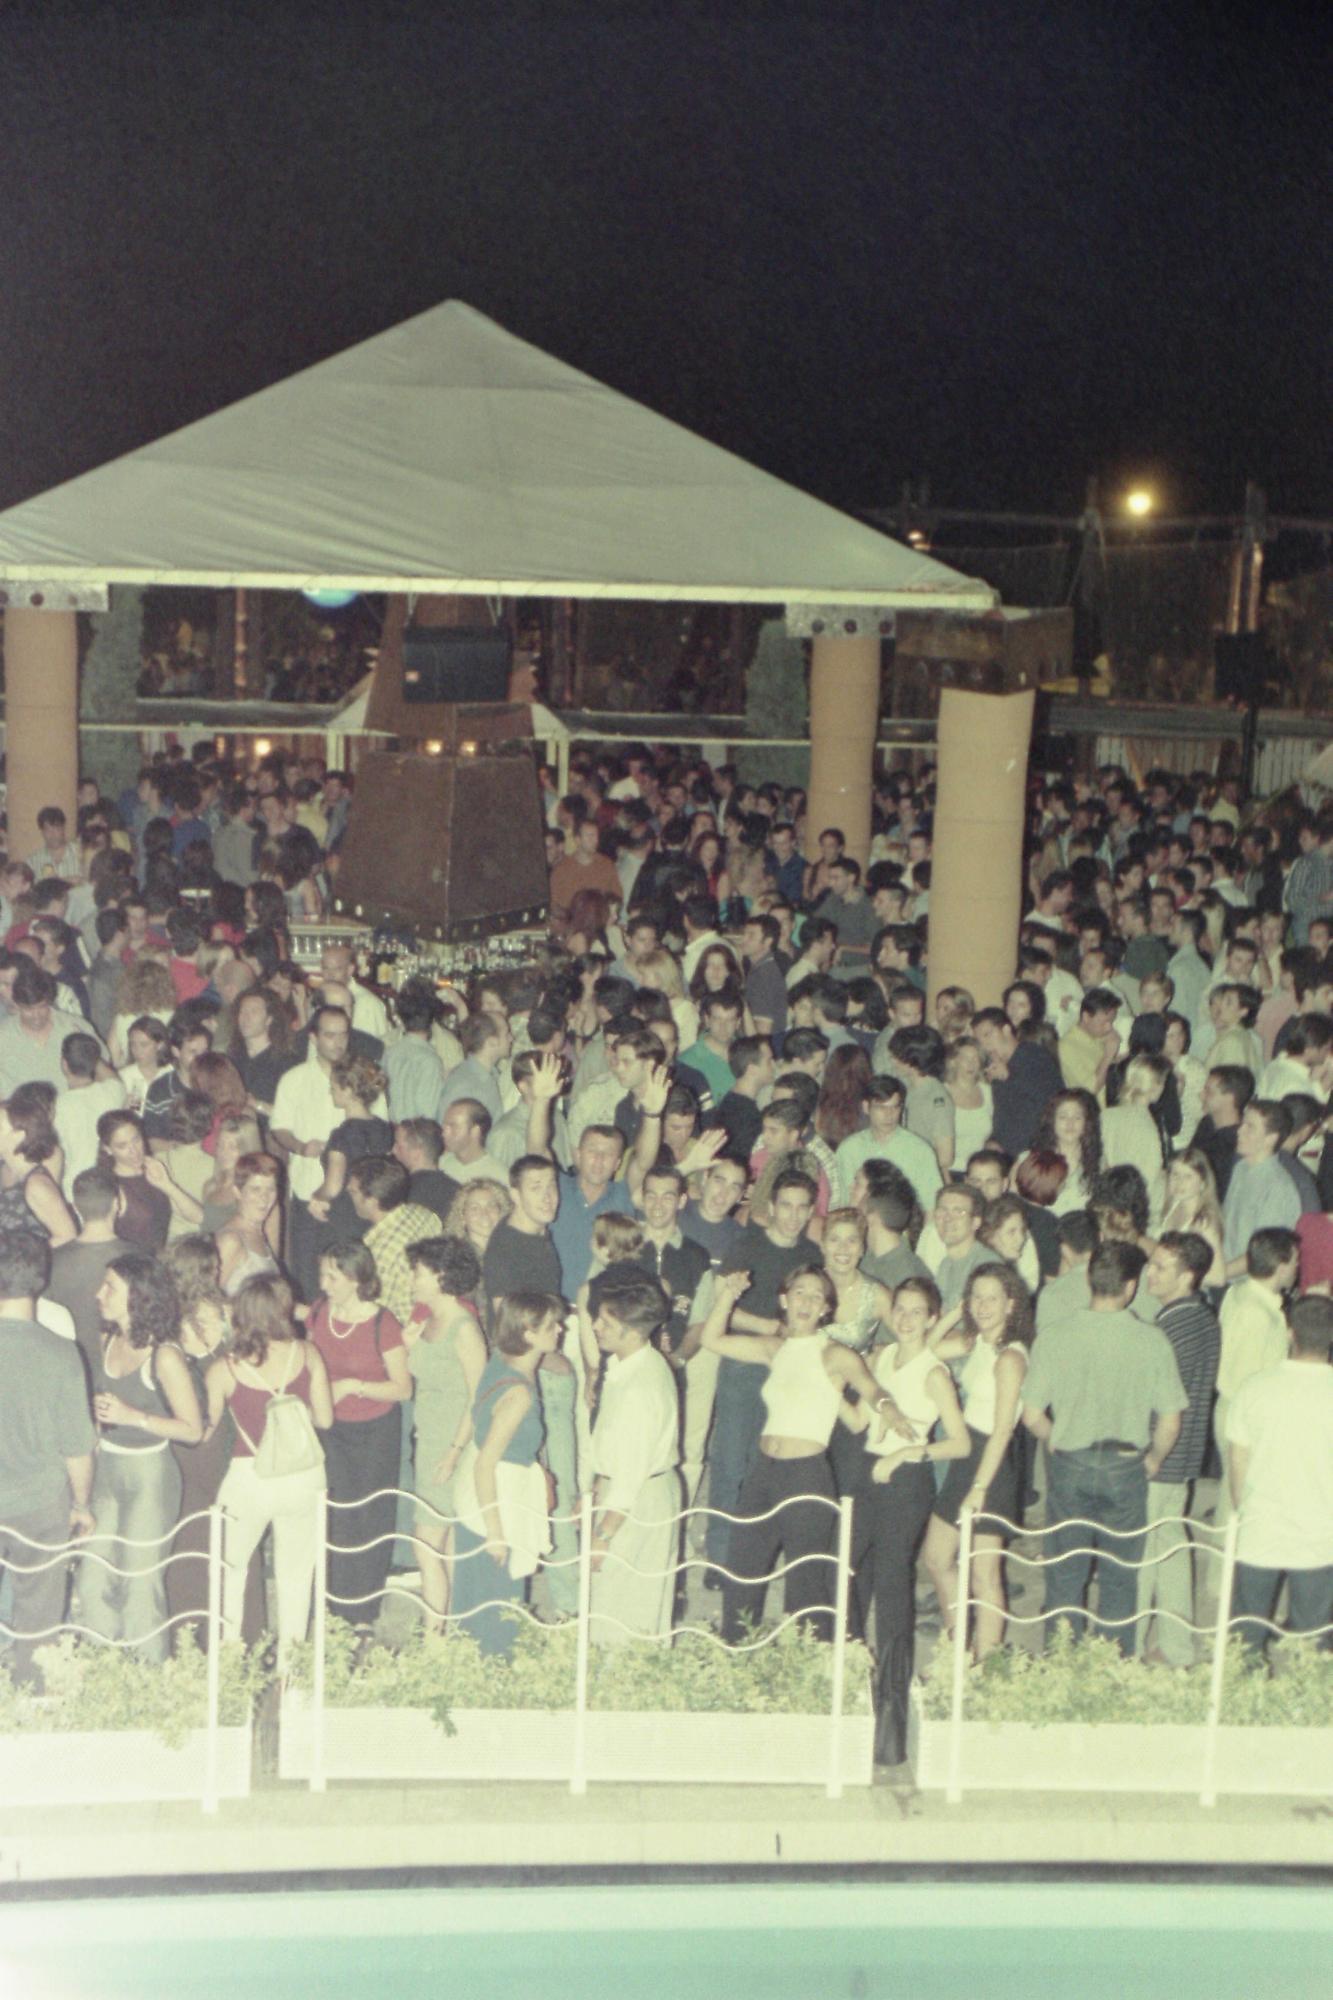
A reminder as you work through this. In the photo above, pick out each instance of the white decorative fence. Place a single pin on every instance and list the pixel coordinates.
(63, 1766)
(320, 1741)
(1107, 1755)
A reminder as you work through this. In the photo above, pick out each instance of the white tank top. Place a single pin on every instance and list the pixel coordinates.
(976, 1380)
(907, 1386)
(800, 1397)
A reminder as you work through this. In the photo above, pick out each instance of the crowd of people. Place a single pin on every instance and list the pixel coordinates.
(703, 1207)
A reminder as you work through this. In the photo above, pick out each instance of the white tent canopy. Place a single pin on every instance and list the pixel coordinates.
(446, 455)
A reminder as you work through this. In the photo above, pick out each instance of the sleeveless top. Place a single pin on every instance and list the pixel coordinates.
(976, 1381)
(249, 1401)
(140, 1390)
(972, 1125)
(253, 1264)
(145, 1220)
(438, 1373)
(800, 1397)
(14, 1211)
(496, 1377)
(907, 1386)
(857, 1329)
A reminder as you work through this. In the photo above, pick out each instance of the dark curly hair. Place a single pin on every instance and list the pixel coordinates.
(453, 1260)
(1020, 1325)
(154, 1311)
(1090, 1145)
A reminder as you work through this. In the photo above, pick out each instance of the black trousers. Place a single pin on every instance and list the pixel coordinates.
(852, 1465)
(362, 1458)
(896, 1517)
(798, 1530)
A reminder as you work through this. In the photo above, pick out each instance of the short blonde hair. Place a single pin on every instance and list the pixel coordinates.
(661, 974)
(617, 1238)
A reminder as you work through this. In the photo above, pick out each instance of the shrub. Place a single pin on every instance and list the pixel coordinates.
(91, 1687)
(791, 1676)
(1088, 1679)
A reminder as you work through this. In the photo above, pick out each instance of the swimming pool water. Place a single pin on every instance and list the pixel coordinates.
(682, 1941)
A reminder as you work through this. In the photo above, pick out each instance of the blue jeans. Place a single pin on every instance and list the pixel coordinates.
(738, 1425)
(479, 1580)
(1110, 1488)
(557, 1394)
(1255, 1595)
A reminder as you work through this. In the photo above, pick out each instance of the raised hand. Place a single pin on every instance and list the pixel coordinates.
(548, 1078)
(704, 1150)
(656, 1090)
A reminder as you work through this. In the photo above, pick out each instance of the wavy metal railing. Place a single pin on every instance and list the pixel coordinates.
(84, 1551)
(586, 1616)
(1220, 1628)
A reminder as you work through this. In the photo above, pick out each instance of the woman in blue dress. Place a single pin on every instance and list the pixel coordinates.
(506, 1429)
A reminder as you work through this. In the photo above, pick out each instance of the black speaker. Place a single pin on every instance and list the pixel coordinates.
(474, 862)
(1244, 670)
(456, 663)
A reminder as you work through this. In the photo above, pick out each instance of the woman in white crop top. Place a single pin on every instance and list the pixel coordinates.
(803, 1398)
(994, 1333)
(891, 1521)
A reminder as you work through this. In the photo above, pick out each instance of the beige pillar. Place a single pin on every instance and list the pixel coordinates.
(844, 722)
(976, 871)
(41, 721)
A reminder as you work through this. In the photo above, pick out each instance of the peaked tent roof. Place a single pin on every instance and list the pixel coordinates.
(448, 455)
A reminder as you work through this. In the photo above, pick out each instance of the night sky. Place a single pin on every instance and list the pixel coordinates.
(1002, 247)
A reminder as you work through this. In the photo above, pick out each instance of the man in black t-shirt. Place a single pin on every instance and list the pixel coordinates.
(520, 1256)
(1023, 1076)
(738, 1114)
(770, 1255)
(417, 1145)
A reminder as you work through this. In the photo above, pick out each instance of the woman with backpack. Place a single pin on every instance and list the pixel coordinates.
(277, 1389)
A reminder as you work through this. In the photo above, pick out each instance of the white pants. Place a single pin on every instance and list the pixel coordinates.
(1167, 1585)
(636, 1584)
(700, 1389)
(287, 1505)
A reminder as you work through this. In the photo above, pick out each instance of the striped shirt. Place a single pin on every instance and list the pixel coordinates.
(1191, 1327)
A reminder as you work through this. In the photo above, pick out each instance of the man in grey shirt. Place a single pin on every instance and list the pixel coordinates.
(1104, 1391)
(890, 1259)
(46, 1445)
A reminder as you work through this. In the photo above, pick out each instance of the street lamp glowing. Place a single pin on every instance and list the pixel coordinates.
(1139, 503)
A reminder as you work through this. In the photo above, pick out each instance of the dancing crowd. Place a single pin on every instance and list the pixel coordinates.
(705, 1207)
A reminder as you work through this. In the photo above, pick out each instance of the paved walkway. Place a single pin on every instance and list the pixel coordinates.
(543, 1826)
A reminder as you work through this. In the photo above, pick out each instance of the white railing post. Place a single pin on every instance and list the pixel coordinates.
(578, 1780)
(318, 1781)
(841, 1592)
(1222, 1632)
(953, 1790)
(214, 1635)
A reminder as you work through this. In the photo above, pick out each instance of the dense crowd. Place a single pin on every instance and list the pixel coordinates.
(703, 1205)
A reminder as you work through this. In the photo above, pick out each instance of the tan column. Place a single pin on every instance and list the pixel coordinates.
(41, 721)
(844, 722)
(976, 860)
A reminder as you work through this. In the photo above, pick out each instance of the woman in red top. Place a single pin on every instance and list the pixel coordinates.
(362, 1346)
(267, 1358)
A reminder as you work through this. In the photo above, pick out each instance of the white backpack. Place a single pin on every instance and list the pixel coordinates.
(290, 1442)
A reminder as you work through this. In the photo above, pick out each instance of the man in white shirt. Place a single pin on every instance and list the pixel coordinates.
(1279, 1443)
(82, 1103)
(304, 1116)
(1254, 1328)
(635, 1452)
(337, 967)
